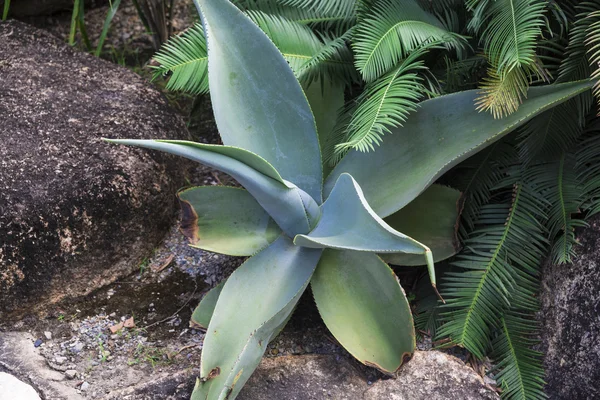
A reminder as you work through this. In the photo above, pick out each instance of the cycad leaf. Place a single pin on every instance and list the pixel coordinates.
(557, 182)
(204, 311)
(184, 56)
(511, 29)
(390, 31)
(384, 104)
(365, 308)
(255, 301)
(340, 7)
(256, 99)
(503, 253)
(441, 133)
(521, 374)
(550, 134)
(288, 205)
(432, 218)
(225, 220)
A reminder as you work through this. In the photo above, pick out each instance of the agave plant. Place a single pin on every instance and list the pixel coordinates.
(301, 227)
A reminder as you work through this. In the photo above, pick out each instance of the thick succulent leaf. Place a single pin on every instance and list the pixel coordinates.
(365, 308)
(326, 100)
(225, 220)
(348, 222)
(292, 209)
(432, 219)
(442, 132)
(255, 301)
(203, 313)
(258, 103)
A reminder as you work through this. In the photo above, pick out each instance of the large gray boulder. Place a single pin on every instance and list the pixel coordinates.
(76, 213)
(570, 317)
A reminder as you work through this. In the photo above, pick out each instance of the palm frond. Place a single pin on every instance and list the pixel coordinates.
(509, 31)
(385, 103)
(390, 30)
(184, 57)
(592, 41)
(521, 375)
(504, 252)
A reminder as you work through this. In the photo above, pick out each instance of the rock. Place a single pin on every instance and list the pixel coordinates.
(84, 387)
(429, 375)
(76, 213)
(77, 347)
(48, 335)
(11, 388)
(570, 321)
(60, 360)
(26, 8)
(71, 374)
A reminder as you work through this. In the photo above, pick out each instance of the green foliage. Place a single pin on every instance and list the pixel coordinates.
(277, 86)
(5, 10)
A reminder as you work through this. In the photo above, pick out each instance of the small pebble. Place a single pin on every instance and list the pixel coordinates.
(60, 360)
(84, 386)
(71, 374)
(48, 335)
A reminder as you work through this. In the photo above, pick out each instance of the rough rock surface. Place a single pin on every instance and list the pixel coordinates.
(25, 8)
(570, 317)
(76, 213)
(12, 388)
(430, 375)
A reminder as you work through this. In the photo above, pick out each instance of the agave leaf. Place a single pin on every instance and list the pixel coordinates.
(348, 222)
(292, 209)
(256, 99)
(442, 132)
(364, 307)
(255, 301)
(432, 218)
(203, 313)
(225, 220)
(326, 100)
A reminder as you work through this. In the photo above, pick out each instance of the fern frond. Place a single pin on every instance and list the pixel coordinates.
(385, 103)
(184, 57)
(390, 30)
(503, 252)
(592, 41)
(521, 374)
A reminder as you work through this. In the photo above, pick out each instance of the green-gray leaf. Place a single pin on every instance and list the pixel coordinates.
(292, 209)
(432, 219)
(442, 132)
(203, 313)
(258, 103)
(225, 220)
(365, 308)
(255, 301)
